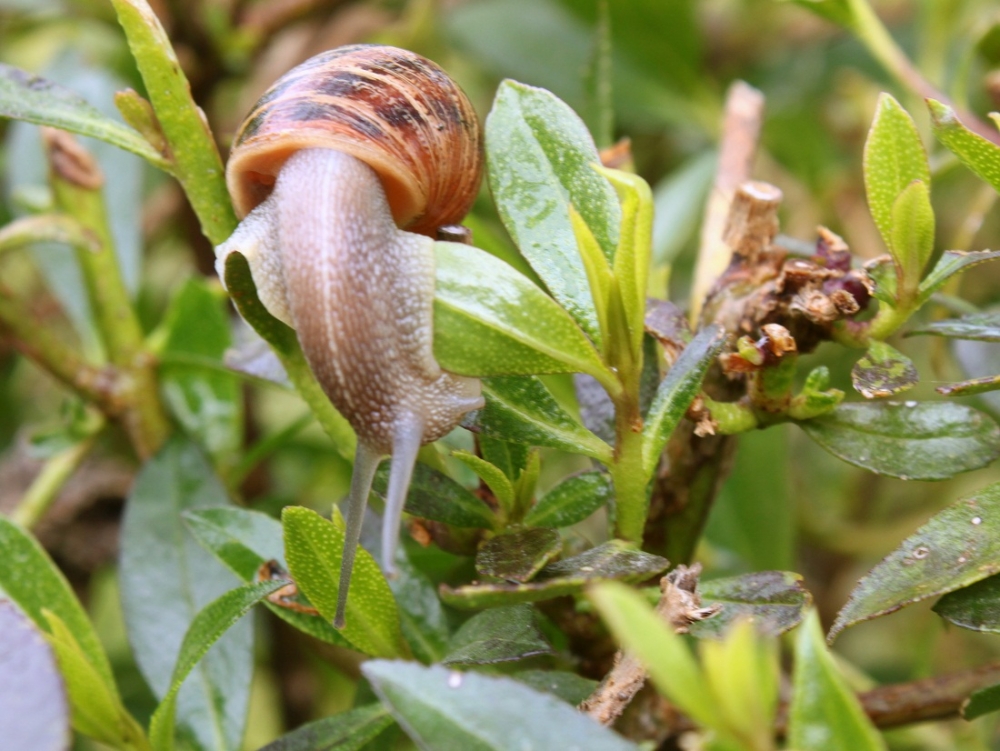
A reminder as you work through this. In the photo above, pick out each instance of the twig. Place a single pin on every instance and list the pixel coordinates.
(680, 606)
(744, 113)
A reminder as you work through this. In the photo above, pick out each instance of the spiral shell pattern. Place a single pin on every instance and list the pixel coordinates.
(394, 110)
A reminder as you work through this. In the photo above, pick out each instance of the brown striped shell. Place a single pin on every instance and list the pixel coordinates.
(394, 110)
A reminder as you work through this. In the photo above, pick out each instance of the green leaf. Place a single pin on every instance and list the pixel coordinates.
(957, 547)
(677, 391)
(196, 161)
(569, 687)
(912, 222)
(571, 501)
(498, 635)
(207, 403)
(673, 668)
(974, 151)
(243, 291)
(34, 714)
(614, 559)
(31, 98)
(909, 440)
(166, 579)
(518, 556)
(97, 709)
(981, 702)
(538, 161)
(883, 371)
(314, 549)
(976, 607)
(838, 11)
(970, 387)
(893, 159)
(825, 715)
(772, 600)
(492, 320)
(424, 622)
(952, 262)
(34, 583)
(205, 630)
(450, 711)
(492, 475)
(983, 327)
(522, 410)
(347, 731)
(244, 540)
(510, 457)
(435, 496)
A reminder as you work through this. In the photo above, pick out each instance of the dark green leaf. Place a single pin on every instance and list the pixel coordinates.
(883, 371)
(244, 540)
(492, 475)
(205, 630)
(518, 556)
(569, 687)
(422, 618)
(976, 607)
(207, 403)
(615, 559)
(676, 392)
(450, 711)
(166, 579)
(882, 273)
(491, 320)
(974, 151)
(571, 501)
(314, 549)
(437, 497)
(983, 327)
(348, 731)
(773, 600)
(929, 441)
(522, 410)
(34, 713)
(498, 635)
(952, 261)
(957, 547)
(981, 702)
(538, 161)
(894, 158)
(825, 715)
(510, 457)
(33, 99)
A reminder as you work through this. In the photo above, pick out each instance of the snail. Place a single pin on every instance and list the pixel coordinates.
(332, 161)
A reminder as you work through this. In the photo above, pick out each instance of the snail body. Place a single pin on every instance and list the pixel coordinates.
(336, 156)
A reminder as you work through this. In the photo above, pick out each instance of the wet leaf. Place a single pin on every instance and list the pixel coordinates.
(981, 702)
(518, 556)
(773, 600)
(883, 371)
(450, 711)
(31, 98)
(677, 391)
(569, 687)
(314, 549)
(498, 635)
(571, 501)
(615, 559)
(34, 713)
(437, 497)
(974, 151)
(894, 158)
(205, 630)
(976, 607)
(522, 410)
(347, 731)
(244, 540)
(492, 320)
(825, 715)
(983, 327)
(161, 598)
(927, 441)
(957, 547)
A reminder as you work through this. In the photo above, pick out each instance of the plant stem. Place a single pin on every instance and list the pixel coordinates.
(50, 480)
(627, 474)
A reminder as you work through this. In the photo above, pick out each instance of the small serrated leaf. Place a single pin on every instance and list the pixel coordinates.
(974, 151)
(571, 501)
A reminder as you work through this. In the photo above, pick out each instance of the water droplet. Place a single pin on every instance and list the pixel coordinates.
(454, 679)
(586, 568)
(862, 458)
(904, 477)
(921, 552)
(977, 520)
(907, 561)
(911, 404)
(961, 559)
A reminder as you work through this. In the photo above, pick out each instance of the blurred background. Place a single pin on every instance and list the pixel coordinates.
(788, 505)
